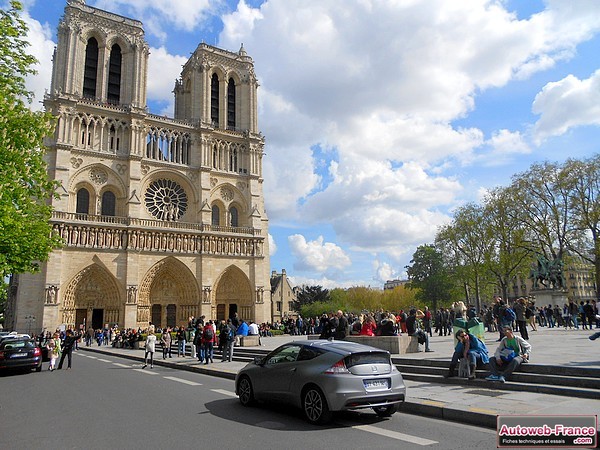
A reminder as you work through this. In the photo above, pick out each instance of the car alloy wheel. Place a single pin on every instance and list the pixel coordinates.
(245, 392)
(315, 406)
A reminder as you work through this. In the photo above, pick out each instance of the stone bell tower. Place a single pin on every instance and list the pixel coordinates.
(162, 218)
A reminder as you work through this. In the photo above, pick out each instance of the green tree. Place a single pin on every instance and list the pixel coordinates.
(541, 198)
(583, 178)
(509, 256)
(430, 275)
(310, 294)
(468, 239)
(26, 238)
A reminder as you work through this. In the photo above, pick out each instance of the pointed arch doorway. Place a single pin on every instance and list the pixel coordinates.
(92, 300)
(168, 295)
(234, 295)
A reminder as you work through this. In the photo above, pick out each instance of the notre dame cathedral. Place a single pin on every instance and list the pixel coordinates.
(161, 218)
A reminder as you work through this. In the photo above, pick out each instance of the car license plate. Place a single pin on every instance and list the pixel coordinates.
(19, 355)
(379, 384)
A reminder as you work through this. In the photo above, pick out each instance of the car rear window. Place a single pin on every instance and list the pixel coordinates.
(357, 359)
(10, 344)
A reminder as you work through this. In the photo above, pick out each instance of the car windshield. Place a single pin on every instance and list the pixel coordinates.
(357, 359)
(13, 343)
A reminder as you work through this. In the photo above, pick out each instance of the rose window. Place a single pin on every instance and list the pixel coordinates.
(166, 200)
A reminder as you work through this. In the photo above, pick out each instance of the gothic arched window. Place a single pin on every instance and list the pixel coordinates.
(83, 201)
(231, 104)
(90, 74)
(215, 215)
(108, 204)
(114, 75)
(233, 215)
(214, 99)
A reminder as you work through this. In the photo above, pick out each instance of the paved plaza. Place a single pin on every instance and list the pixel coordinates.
(469, 404)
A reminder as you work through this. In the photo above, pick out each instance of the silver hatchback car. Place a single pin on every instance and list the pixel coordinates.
(324, 376)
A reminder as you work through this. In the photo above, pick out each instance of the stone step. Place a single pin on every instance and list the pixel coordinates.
(522, 377)
(508, 386)
(527, 368)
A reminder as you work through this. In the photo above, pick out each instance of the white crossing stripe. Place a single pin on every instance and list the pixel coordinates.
(92, 357)
(395, 435)
(181, 380)
(103, 360)
(224, 392)
(121, 365)
(146, 371)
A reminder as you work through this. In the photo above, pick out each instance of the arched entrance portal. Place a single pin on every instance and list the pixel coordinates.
(168, 296)
(234, 295)
(92, 299)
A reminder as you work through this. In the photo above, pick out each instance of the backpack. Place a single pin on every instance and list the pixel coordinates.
(528, 313)
(208, 333)
(228, 333)
(509, 315)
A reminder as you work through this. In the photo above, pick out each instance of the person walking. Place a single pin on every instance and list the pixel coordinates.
(165, 340)
(181, 341)
(54, 350)
(67, 349)
(150, 348)
(208, 341)
(227, 336)
(520, 310)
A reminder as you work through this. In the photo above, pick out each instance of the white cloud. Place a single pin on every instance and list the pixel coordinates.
(272, 245)
(381, 83)
(566, 104)
(42, 47)
(159, 16)
(383, 271)
(241, 23)
(164, 69)
(317, 255)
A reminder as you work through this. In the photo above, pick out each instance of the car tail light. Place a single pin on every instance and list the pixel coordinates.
(337, 368)
(37, 351)
(1, 355)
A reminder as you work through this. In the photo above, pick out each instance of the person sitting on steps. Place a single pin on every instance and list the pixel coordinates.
(512, 351)
(468, 347)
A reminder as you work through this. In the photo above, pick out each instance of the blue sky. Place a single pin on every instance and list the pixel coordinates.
(380, 117)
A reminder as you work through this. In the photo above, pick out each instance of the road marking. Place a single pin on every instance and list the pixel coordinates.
(125, 366)
(92, 357)
(181, 380)
(484, 411)
(434, 403)
(224, 392)
(145, 371)
(103, 360)
(395, 435)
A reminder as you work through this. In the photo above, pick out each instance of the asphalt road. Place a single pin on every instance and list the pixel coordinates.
(107, 402)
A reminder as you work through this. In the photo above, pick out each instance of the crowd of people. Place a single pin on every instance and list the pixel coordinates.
(470, 351)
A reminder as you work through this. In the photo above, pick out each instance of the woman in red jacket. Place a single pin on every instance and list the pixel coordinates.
(368, 326)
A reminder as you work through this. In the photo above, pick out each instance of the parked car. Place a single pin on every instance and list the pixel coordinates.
(12, 335)
(20, 353)
(321, 377)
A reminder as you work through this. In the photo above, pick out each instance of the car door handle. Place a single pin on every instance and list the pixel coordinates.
(293, 369)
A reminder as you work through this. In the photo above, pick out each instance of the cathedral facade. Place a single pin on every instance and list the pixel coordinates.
(161, 218)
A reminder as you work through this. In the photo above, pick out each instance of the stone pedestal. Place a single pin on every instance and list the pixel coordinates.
(545, 297)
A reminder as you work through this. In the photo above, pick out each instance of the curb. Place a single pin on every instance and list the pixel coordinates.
(410, 406)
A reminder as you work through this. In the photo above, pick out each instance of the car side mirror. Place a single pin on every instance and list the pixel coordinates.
(259, 361)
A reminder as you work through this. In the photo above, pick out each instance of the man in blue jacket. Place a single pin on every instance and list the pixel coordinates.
(468, 347)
